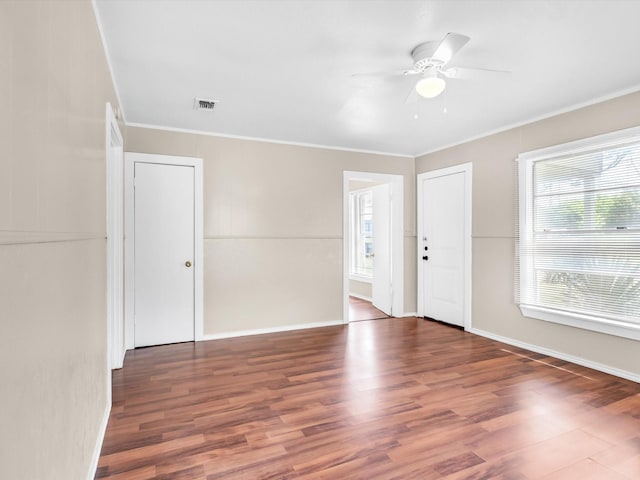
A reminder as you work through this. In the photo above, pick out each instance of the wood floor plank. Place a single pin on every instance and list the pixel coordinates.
(363, 310)
(384, 399)
(586, 469)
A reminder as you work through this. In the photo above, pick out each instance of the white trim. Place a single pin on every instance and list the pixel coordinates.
(361, 297)
(266, 140)
(108, 58)
(396, 182)
(554, 113)
(198, 294)
(586, 322)
(467, 170)
(198, 265)
(115, 241)
(95, 457)
(562, 356)
(282, 328)
(129, 196)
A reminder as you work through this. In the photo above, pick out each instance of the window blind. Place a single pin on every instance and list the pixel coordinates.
(579, 229)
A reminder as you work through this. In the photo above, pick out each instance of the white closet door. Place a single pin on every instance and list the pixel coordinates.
(164, 253)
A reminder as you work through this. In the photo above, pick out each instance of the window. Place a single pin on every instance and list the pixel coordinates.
(362, 240)
(579, 234)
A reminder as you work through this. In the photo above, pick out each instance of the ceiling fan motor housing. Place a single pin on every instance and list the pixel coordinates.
(422, 56)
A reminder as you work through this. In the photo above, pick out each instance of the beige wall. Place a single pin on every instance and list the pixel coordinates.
(494, 191)
(362, 289)
(361, 185)
(273, 233)
(273, 226)
(54, 84)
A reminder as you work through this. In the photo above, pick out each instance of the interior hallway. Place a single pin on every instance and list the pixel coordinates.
(363, 310)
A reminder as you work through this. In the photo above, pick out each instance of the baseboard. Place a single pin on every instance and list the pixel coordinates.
(562, 356)
(408, 314)
(98, 447)
(120, 362)
(124, 354)
(361, 297)
(282, 328)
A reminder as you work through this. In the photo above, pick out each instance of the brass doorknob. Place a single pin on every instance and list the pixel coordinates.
(187, 264)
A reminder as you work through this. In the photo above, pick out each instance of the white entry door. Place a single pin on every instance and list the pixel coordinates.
(444, 226)
(163, 253)
(381, 235)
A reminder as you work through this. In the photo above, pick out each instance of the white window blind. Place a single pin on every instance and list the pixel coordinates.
(579, 233)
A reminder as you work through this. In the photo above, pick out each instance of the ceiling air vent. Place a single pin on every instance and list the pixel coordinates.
(203, 104)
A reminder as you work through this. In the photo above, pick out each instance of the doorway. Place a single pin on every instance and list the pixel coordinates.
(373, 250)
(444, 245)
(361, 308)
(163, 249)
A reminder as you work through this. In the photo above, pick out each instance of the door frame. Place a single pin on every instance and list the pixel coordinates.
(115, 241)
(467, 170)
(396, 182)
(130, 159)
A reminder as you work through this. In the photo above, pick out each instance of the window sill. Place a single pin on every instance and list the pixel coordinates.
(586, 322)
(360, 278)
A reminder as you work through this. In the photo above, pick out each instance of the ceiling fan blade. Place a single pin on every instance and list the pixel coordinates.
(392, 73)
(413, 96)
(465, 73)
(449, 46)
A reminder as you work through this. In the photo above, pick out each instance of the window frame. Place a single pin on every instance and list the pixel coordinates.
(526, 228)
(354, 205)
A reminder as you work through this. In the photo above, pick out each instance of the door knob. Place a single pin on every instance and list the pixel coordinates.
(187, 264)
(425, 258)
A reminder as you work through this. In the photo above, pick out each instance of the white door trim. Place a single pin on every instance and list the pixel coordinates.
(115, 240)
(465, 168)
(198, 265)
(397, 238)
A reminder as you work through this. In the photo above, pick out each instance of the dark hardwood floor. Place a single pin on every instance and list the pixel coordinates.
(386, 399)
(363, 310)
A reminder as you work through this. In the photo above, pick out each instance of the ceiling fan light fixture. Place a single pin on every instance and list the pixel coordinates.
(430, 87)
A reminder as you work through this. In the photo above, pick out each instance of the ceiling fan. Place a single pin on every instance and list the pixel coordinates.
(430, 62)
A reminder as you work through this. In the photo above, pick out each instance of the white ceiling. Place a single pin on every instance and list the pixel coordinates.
(281, 69)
